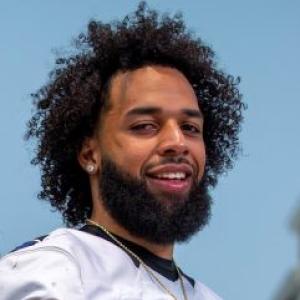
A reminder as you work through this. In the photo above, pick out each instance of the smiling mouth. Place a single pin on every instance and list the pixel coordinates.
(170, 176)
(170, 182)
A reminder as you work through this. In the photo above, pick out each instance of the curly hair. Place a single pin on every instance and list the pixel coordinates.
(68, 106)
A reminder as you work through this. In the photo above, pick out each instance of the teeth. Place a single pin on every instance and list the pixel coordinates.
(177, 175)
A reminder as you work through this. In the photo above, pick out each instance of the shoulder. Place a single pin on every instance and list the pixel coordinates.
(43, 270)
(205, 292)
(60, 244)
(65, 241)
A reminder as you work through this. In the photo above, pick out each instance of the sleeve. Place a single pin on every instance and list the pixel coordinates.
(40, 274)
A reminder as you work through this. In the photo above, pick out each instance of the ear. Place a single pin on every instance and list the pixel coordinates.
(89, 157)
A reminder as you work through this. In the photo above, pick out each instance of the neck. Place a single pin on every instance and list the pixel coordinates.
(101, 217)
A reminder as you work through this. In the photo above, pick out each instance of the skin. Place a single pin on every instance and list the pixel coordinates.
(139, 141)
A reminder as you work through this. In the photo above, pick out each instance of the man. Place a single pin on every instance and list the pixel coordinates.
(132, 132)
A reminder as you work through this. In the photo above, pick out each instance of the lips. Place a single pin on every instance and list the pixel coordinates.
(170, 178)
(187, 170)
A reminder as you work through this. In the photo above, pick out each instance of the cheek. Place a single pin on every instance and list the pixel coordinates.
(131, 155)
(199, 155)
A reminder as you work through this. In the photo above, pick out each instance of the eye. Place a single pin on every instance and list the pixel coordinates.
(144, 128)
(191, 129)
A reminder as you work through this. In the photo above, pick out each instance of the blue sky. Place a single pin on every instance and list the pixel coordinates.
(247, 249)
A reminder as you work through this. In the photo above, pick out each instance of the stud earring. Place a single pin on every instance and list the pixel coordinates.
(90, 168)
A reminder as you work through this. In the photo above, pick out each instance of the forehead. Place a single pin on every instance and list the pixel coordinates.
(157, 86)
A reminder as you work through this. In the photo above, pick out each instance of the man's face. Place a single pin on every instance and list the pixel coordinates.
(153, 155)
(153, 130)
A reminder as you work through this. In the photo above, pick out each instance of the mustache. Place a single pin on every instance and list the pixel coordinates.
(174, 160)
(170, 160)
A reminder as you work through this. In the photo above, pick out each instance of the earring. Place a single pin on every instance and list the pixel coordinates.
(90, 168)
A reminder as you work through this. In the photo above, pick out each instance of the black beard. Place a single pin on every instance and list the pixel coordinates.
(144, 215)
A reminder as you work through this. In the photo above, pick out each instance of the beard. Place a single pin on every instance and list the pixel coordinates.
(148, 216)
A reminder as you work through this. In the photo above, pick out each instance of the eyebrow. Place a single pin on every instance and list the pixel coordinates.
(193, 113)
(149, 110)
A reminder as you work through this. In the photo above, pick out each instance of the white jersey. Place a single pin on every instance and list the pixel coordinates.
(72, 264)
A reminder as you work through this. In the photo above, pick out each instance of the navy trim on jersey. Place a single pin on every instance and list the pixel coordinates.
(29, 243)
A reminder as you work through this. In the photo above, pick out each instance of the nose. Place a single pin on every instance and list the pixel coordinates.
(172, 141)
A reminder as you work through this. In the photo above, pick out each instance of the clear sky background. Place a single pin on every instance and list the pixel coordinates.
(247, 250)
